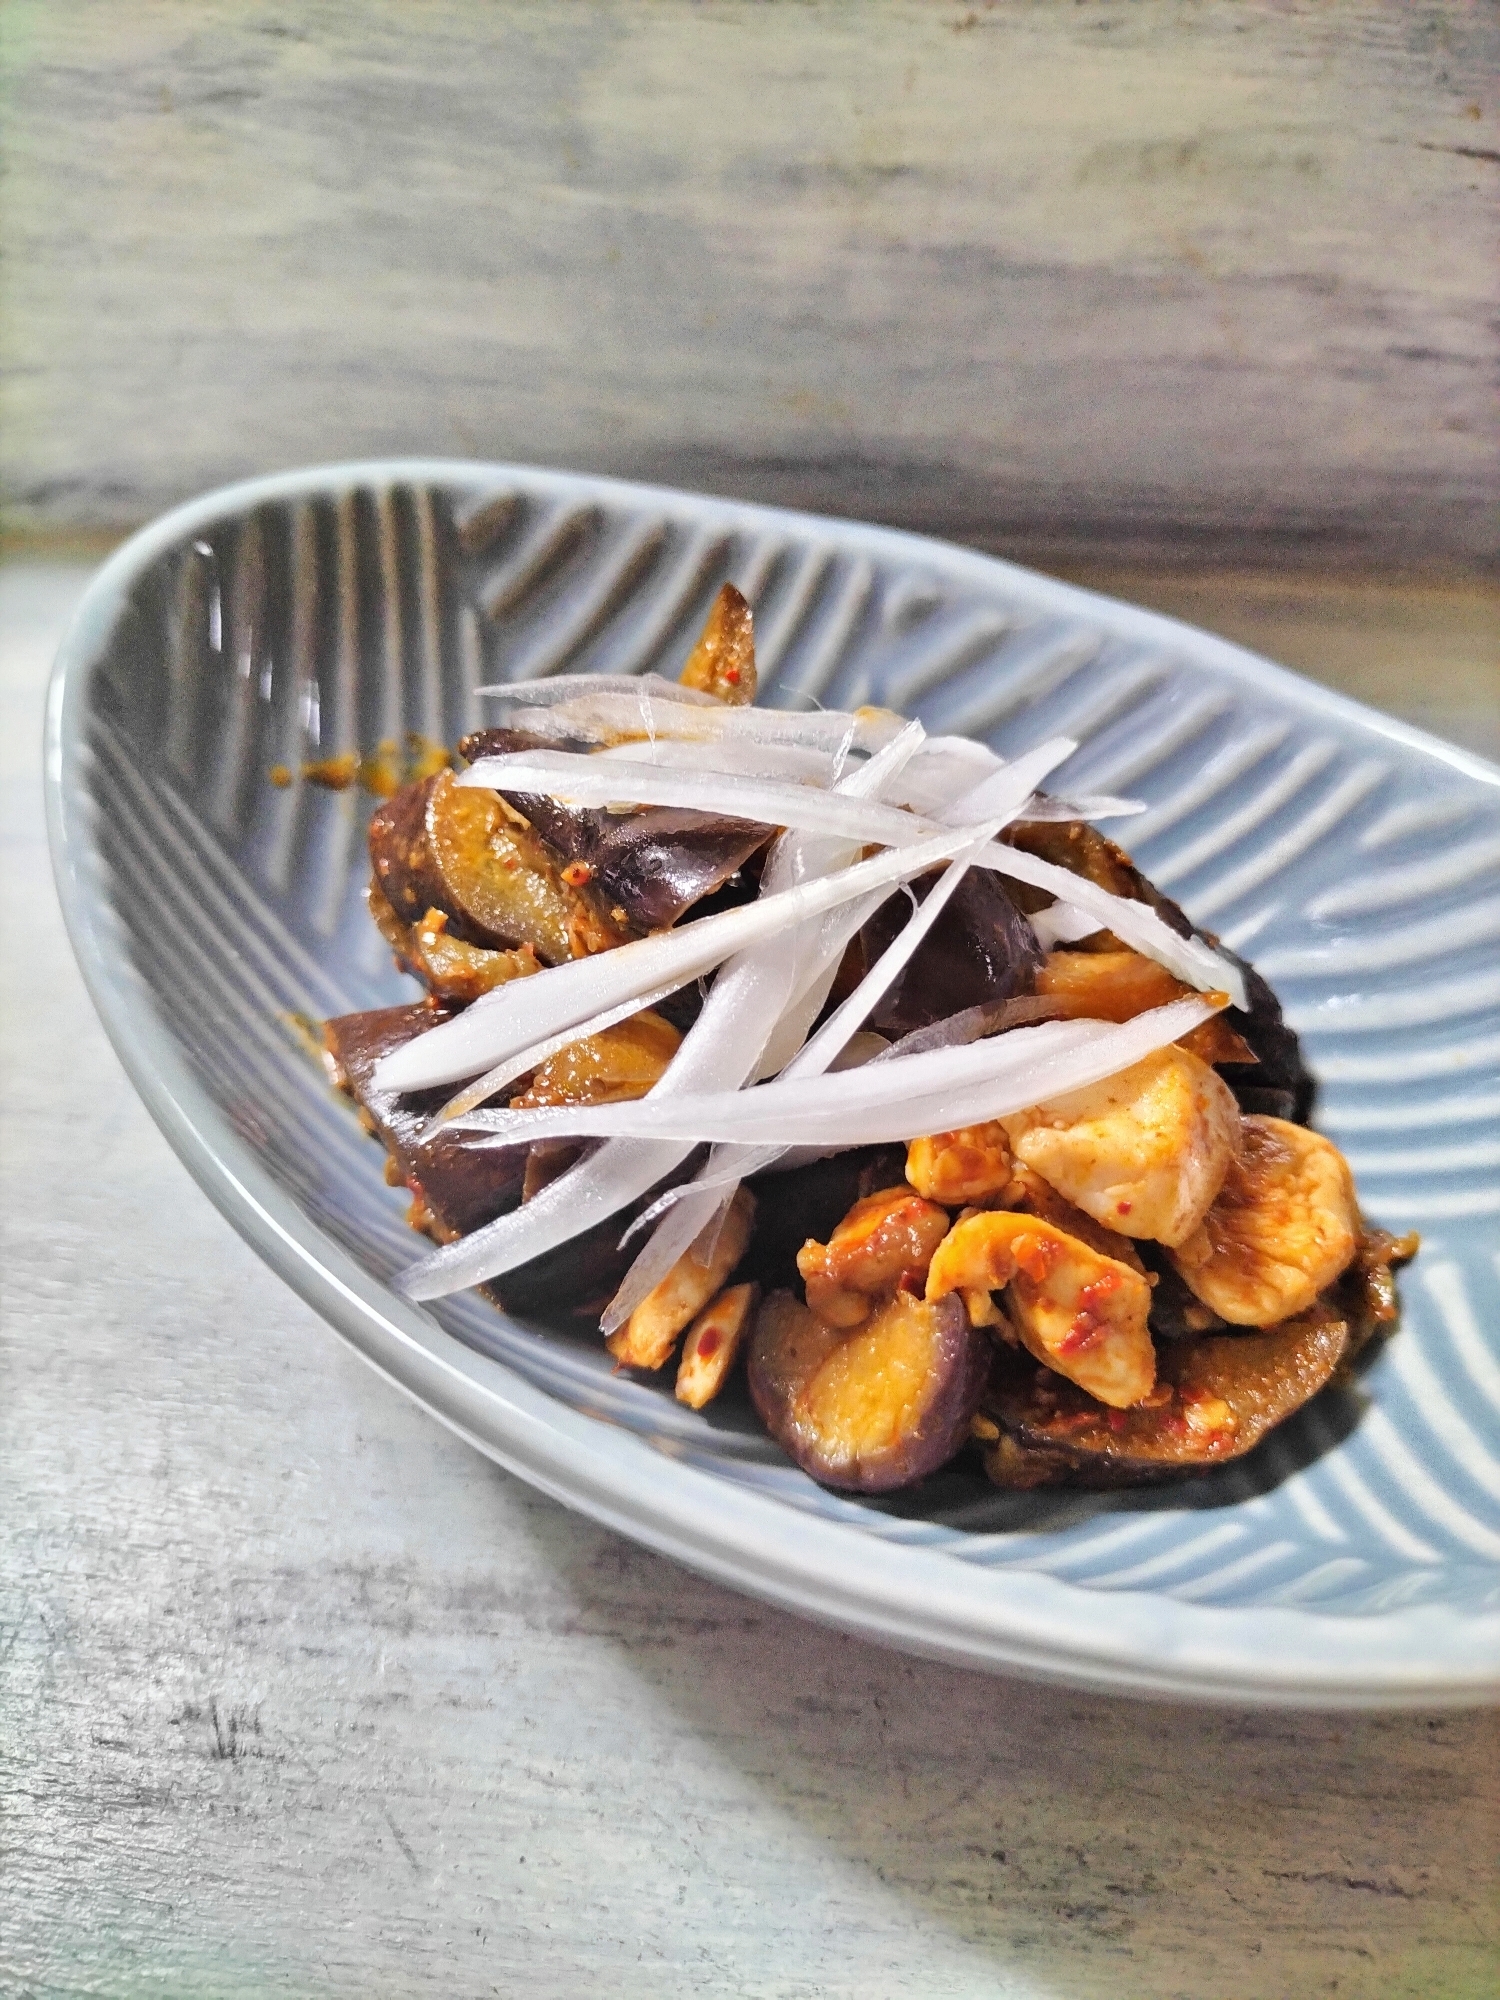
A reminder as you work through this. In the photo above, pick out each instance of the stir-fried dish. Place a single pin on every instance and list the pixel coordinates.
(814, 1047)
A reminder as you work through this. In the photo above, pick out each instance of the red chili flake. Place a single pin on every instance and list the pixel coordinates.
(1035, 1255)
(1098, 1290)
(1084, 1331)
(709, 1343)
(732, 675)
(1122, 1208)
(1116, 1421)
(577, 873)
(912, 1280)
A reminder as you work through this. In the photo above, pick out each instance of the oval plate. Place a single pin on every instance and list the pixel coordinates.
(1350, 1562)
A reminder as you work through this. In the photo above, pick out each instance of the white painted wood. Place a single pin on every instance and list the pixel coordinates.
(300, 1695)
(1166, 274)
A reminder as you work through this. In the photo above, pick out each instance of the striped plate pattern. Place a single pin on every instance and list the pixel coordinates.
(1357, 863)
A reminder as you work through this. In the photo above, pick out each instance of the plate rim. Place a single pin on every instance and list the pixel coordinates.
(920, 1600)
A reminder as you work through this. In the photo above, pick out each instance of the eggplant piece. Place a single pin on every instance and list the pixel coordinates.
(1216, 1398)
(447, 966)
(874, 1407)
(613, 1066)
(439, 845)
(458, 1184)
(981, 949)
(457, 1181)
(651, 866)
(723, 661)
(1278, 1082)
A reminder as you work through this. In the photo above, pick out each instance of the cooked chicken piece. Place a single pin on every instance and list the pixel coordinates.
(1030, 1193)
(648, 1337)
(1078, 1312)
(962, 1166)
(1144, 1152)
(713, 1345)
(885, 1241)
(1284, 1226)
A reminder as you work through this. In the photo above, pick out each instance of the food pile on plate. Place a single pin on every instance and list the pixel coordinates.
(816, 1045)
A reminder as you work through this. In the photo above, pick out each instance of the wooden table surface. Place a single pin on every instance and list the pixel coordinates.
(303, 1696)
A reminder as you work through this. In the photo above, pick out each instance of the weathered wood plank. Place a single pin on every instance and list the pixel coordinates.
(1215, 273)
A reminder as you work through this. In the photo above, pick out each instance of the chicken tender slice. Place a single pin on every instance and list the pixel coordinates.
(1080, 1313)
(1284, 1226)
(1144, 1152)
(957, 1167)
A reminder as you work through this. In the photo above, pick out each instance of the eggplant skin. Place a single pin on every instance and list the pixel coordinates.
(653, 865)
(1052, 1434)
(981, 949)
(1278, 1084)
(462, 1184)
(870, 1408)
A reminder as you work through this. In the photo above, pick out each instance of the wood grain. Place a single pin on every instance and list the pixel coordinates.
(1145, 278)
(300, 1695)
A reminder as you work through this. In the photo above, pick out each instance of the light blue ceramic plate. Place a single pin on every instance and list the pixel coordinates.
(1351, 1561)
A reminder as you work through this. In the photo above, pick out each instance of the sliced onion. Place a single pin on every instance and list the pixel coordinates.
(800, 805)
(753, 760)
(1063, 923)
(719, 1051)
(900, 1098)
(1135, 924)
(495, 1080)
(1058, 808)
(591, 782)
(618, 717)
(573, 687)
(564, 996)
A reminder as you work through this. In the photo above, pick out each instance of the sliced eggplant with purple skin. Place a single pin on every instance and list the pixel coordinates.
(459, 1183)
(981, 949)
(871, 1408)
(1215, 1399)
(652, 865)
(439, 845)
(1278, 1082)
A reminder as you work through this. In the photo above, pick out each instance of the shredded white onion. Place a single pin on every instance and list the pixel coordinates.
(817, 811)
(719, 1052)
(589, 782)
(495, 1080)
(563, 996)
(617, 717)
(900, 1098)
(572, 687)
(1063, 924)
